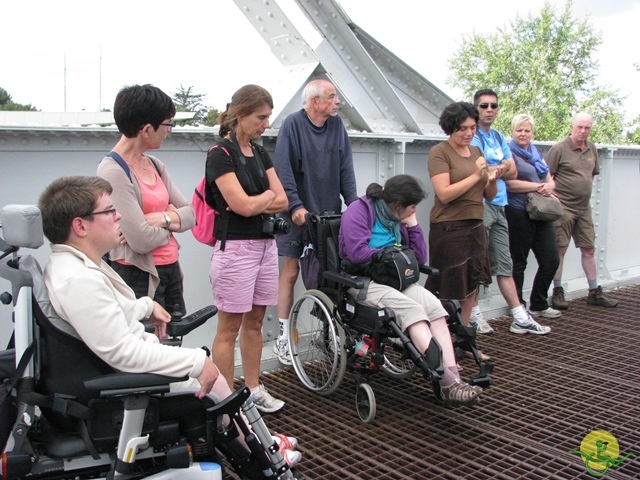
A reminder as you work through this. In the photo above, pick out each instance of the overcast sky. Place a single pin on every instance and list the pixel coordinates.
(213, 47)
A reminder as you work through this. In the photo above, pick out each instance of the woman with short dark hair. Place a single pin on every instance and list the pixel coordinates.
(151, 205)
(457, 238)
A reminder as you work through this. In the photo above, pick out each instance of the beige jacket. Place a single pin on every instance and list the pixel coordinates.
(142, 238)
(106, 315)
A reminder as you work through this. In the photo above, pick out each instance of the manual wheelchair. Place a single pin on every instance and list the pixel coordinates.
(77, 418)
(330, 332)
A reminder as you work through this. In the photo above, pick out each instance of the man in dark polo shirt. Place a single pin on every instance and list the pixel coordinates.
(573, 162)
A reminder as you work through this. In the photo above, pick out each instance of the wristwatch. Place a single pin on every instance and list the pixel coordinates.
(167, 219)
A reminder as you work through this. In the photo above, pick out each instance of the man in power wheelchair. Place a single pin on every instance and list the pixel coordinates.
(79, 414)
(366, 325)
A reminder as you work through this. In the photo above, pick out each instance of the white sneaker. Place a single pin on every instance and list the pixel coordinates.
(288, 446)
(530, 327)
(284, 442)
(292, 457)
(546, 313)
(264, 401)
(480, 324)
(281, 349)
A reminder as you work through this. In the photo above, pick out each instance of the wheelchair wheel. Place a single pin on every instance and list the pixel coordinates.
(316, 343)
(396, 364)
(365, 403)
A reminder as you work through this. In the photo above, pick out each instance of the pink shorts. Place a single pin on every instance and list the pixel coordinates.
(244, 274)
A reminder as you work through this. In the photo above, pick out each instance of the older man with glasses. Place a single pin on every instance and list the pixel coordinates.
(496, 151)
(314, 162)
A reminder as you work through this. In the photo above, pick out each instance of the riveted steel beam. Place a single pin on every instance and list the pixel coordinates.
(363, 83)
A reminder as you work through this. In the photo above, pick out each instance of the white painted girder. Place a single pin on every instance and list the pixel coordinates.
(379, 92)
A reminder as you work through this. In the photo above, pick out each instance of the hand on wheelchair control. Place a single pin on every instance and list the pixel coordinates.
(159, 318)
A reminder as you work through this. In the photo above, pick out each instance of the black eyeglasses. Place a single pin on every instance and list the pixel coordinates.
(484, 106)
(333, 96)
(111, 211)
(170, 125)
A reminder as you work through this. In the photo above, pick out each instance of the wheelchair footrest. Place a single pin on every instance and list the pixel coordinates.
(483, 381)
(486, 368)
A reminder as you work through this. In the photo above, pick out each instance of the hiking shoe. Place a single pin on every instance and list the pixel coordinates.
(546, 313)
(264, 401)
(480, 324)
(557, 300)
(530, 327)
(460, 393)
(281, 349)
(596, 297)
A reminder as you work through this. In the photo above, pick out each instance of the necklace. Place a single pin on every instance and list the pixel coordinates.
(143, 163)
(141, 169)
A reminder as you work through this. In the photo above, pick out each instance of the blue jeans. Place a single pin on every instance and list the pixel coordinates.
(527, 235)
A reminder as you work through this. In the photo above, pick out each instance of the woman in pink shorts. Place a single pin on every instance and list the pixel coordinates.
(245, 190)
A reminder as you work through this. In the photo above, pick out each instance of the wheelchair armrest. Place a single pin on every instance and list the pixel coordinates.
(429, 270)
(230, 405)
(116, 384)
(182, 326)
(350, 282)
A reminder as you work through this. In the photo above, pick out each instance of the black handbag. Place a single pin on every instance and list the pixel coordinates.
(396, 267)
(541, 208)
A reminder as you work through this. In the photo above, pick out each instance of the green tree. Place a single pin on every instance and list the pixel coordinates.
(6, 103)
(187, 100)
(634, 132)
(541, 65)
(212, 117)
(605, 106)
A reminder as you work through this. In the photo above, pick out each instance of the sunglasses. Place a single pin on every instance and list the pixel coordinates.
(484, 106)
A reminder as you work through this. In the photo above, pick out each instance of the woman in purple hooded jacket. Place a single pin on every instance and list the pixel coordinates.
(385, 217)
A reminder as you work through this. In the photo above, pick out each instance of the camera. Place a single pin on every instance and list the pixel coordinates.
(273, 225)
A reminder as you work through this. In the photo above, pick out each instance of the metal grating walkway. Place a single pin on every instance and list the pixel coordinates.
(548, 393)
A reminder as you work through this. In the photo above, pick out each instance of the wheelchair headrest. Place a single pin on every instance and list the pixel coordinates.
(22, 226)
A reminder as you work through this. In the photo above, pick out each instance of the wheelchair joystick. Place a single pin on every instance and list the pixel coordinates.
(176, 314)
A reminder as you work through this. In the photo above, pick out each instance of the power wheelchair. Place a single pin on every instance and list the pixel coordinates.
(78, 418)
(329, 331)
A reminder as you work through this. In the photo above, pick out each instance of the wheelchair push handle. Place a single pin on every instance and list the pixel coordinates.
(429, 270)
